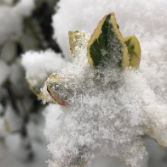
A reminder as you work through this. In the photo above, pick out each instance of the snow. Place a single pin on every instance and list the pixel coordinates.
(11, 18)
(39, 65)
(105, 116)
(153, 64)
(106, 112)
(52, 129)
(52, 113)
(134, 18)
(144, 19)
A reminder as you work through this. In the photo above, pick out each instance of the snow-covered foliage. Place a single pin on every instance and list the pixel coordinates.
(148, 84)
(146, 22)
(39, 65)
(11, 18)
(134, 17)
(106, 112)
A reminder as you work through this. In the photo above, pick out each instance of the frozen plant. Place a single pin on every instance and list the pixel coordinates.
(88, 13)
(108, 104)
(147, 23)
(38, 66)
(145, 19)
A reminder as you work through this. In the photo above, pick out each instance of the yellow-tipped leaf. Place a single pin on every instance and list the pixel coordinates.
(77, 39)
(107, 44)
(134, 50)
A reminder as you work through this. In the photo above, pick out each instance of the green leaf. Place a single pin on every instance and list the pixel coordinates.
(134, 50)
(107, 44)
(77, 39)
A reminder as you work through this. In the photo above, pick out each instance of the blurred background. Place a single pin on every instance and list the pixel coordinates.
(27, 25)
(23, 27)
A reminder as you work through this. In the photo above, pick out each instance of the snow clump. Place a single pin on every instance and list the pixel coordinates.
(11, 18)
(39, 65)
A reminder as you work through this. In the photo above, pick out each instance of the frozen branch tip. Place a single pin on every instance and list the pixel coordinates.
(107, 104)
